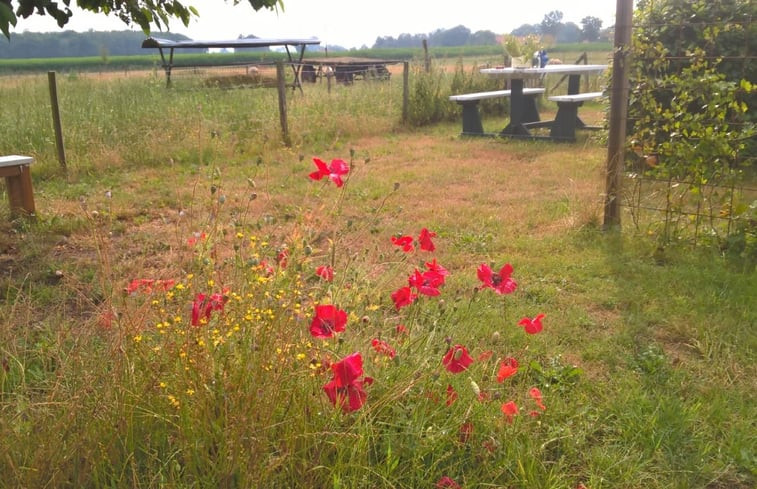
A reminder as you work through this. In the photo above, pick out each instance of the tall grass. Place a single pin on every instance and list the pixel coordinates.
(645, 361)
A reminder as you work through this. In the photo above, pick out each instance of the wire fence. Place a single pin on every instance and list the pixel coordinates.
(694, 186)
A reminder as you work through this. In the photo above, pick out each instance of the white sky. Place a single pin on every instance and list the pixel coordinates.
(349, 23)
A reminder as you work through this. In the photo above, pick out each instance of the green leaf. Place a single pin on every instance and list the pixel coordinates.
(7, 19)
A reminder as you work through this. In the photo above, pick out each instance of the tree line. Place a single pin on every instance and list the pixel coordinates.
(126, 43)
(77, 44)
(551, 26)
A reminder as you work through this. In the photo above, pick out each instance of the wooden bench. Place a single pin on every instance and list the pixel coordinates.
(567, 120)
(472, 118)
(18, 182)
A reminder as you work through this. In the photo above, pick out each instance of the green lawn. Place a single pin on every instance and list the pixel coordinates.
(645, 363)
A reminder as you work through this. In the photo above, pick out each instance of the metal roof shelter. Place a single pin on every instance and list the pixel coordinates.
(298, 44)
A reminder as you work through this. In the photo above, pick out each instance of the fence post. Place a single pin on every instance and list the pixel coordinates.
(618, 114)
(56, 120)
(281, 79)
(426, 57)
(405, 90)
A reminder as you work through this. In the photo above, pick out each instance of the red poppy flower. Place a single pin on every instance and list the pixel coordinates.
(139, 283)
(507, 368)
(451, 395)
(266, 268)
(432, 266)
(325, 272)
(346, 388)
(532, 326)
(282, 258)
(147, 285)
(485, 355)
(334, 171)
(404, 242)
(426, 283)
(402, 297)
(327, 321)
(457, 359)
(400, 329)
(203, 306)
(509, 409)
(425, 240)
(501, 282)
(535, 394)
(446, 482)
(383, 347)
(196, 238)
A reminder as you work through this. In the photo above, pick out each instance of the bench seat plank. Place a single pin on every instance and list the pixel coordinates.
(469, 97)
(578, 97)
(15, 160)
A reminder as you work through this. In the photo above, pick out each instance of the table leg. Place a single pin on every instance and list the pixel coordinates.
(18, 183)
(472, 125)
(564, 126)
(517, 107)
(574, 87)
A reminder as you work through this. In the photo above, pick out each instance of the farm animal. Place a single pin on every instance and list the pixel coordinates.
(555, 61)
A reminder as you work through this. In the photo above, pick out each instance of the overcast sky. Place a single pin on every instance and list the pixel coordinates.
(350, 23)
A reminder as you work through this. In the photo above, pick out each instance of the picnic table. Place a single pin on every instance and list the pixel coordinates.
(567, 120)
(168, 62)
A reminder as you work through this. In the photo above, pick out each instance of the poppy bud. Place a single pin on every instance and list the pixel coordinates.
(495, 337)
(475, 387)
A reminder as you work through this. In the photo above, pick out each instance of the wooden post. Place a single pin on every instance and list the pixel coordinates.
(618, 114)
(405, 90)
(426, 58)
(281, 78)
(56, 120)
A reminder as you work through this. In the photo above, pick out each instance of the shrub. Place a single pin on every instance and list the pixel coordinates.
(430, 91)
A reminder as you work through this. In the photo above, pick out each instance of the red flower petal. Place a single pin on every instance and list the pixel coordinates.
(402, 297)
(507, 368)
(425, 240)
(509, 409)
(404, 242)
(325, 272)
(346, 389)
(457, 359)
(532, 326)
(327, 320)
